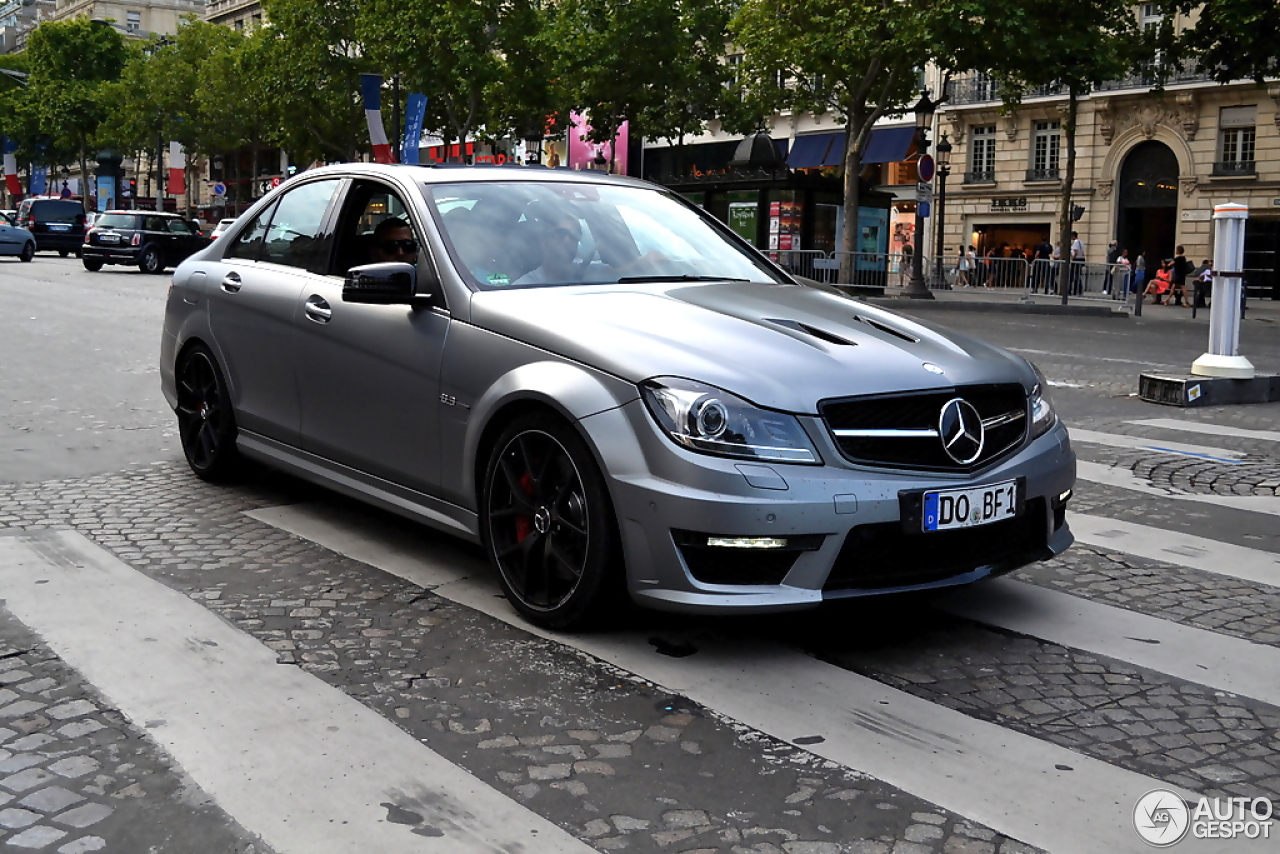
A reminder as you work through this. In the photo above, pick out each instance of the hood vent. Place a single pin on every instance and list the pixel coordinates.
(886, 328)
(822, 335)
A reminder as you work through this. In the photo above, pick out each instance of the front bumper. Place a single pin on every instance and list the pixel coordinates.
(844, 524)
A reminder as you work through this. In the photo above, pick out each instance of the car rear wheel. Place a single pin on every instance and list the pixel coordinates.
(63, 253)
(93, 265)
(206, 423)
(28, 252)
(149, 261)
(548, 525)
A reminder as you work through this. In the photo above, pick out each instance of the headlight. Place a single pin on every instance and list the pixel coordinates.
(712, 421)
(1042, 414)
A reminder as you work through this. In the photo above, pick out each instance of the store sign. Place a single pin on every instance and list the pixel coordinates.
(1014, 204)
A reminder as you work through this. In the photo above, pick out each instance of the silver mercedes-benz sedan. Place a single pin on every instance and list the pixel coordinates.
(608, 389)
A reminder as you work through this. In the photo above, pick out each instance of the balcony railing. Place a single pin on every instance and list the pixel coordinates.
(1046, 174)
(1183, 72)
(976, 89)
(980, 177)
(1227, 168)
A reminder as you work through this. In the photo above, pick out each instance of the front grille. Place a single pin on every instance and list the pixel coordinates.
(875, 557)
(919, 412)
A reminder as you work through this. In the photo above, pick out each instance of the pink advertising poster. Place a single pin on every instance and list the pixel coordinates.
(596, 155)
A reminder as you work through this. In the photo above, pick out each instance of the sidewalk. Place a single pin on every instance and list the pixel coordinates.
(1011, 300)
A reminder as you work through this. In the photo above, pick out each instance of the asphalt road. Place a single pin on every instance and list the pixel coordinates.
(147, 616)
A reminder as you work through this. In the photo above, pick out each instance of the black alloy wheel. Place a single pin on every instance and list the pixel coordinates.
(93, 265)
(149, 261)
(206, 424)
(548, 524)
(28, 252)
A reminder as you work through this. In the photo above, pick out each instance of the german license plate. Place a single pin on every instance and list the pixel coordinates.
(947, 509)
(108, 238)
(59, 226)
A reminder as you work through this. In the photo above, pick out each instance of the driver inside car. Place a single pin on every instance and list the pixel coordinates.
(561, 237)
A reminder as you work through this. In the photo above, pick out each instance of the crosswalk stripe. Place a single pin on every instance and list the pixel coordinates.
(1119, 440)
(289, 757)
(1184, 652)
(1018, 785)
(1225, 559)
(1123, 478)
(1210, 429)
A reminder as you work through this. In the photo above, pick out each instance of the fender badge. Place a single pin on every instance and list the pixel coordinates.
(931, 368)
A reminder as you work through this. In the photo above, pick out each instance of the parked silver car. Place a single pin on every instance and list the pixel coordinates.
(610, 391)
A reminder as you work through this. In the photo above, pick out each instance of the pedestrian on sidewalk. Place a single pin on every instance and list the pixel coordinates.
(1139, 273)
(1202, 283)
(1162, 283)
(1181, 269)
(965, 267)
(1121, 273)
(1077, 265)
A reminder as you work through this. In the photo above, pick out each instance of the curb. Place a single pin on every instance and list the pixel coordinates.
(901, 303)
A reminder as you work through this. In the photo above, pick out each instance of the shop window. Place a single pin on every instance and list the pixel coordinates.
(982, 155)
(1045, 149)
(1237, 137)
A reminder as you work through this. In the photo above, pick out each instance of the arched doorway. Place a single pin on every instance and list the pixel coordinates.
(1148, 219)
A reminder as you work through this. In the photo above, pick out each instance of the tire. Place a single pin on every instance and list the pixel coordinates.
(548, 525)
(149, 261)
(206, 422)
(63, 253)
(93, 265)
(28, 253)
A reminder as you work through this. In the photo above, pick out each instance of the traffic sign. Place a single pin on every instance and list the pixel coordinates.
(219, 189)
(275, 182)
(923, 208)
(925, 167)
(924, 192)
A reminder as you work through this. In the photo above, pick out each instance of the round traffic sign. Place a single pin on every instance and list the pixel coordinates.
(925, 167)
(219, 189)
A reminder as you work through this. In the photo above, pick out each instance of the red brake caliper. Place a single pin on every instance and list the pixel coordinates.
(524, 524)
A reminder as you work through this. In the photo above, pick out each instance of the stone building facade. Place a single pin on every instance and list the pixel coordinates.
(141, 17)
(237, 14)
(1150, 167)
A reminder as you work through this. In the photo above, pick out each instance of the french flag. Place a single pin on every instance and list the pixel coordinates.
(11, 182)
(177, 169)
(371, 90)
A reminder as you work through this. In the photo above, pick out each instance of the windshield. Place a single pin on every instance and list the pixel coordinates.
(526, 234)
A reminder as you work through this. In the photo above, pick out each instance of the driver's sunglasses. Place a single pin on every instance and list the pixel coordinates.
(392, 246)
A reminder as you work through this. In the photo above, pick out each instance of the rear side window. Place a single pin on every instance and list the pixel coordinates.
(56, 210)
(115, 220)
(179, 226)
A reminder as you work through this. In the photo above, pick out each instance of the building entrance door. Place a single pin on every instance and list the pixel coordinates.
(1149, 202)
(1262, 258)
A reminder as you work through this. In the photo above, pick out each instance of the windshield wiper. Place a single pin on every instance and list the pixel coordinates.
(683, 277)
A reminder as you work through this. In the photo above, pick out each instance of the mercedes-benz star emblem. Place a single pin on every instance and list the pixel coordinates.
(960, 428)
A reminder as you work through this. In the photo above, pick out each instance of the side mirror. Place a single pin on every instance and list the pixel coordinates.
(387, 283)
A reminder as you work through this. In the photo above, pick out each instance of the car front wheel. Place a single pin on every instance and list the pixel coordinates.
(149, 261)
(28, 252)
(548, 525)
(206, 423)
(93, 265)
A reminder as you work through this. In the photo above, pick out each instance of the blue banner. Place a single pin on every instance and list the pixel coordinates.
(106, 193)
(39, 180)
(10, 146)
(415, 110)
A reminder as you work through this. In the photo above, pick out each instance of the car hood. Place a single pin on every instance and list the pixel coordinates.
(780, 346)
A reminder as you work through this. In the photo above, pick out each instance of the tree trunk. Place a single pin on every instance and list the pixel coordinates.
(852, 167)
(253, 176)
(1064, 214)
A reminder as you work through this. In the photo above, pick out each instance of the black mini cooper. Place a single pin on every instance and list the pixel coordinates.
(151, 241)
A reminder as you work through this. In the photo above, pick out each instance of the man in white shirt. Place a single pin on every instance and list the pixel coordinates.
(1077, 263)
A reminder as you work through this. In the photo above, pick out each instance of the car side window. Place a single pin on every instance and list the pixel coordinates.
(368, 204)
(178, 226)
(153, 223)
(294, 237)
(248, 243)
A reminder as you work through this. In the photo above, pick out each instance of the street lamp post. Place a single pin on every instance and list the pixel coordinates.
(943, 158)
(916, 288)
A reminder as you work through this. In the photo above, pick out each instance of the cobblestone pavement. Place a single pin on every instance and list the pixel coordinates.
(615, 760)
(76, 777)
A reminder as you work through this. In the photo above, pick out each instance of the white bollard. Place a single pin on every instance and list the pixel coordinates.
(1223, 358)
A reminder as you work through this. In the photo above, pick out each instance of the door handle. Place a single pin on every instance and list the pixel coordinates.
(231, 282)
(317, 309)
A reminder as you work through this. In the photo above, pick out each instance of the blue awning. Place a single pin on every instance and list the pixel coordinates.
(835, 154)
(810, 152)
(888, 145)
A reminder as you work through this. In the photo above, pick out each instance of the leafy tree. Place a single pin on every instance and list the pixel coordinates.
(657, 63)
(448, 49)
(70, 62)
(1076, 47)
(236, 111)
(310, 70)
(857, 59)
(1230, 39)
